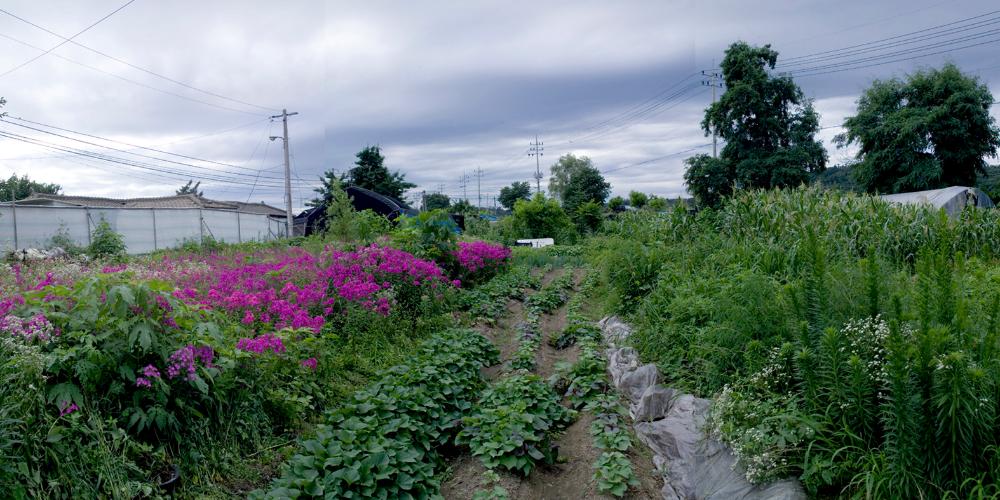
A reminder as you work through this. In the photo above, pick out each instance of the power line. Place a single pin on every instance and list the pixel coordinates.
(182, 175)
(65, 40)
(134, 66)
(658, 158)
(166, 160)
(133, 82)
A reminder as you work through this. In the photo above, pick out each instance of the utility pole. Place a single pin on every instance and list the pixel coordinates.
(715, 81)
(535, 150)
(464, 182)
(479, 187)
(289, 219)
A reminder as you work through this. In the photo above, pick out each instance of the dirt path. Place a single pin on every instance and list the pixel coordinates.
(572, 476)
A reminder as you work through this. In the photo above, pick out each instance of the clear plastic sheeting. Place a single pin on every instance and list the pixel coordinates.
(143, 229)
(952, 199)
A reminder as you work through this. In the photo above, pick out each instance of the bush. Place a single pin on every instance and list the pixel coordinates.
(429, 235)
(105, 243)
(542, 218)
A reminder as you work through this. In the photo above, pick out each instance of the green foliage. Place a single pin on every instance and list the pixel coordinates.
(435, 201)
(63, 240)
(19, 188)
(514, 423)
(586, 185)
(931, 130)
(370, 172)
(848, 342)
(509, 195)
(588, 217)
(708, 179)
(989, 182)
(541, 218)
(463, 207)
(339, 213)
(190, 188)
(616, 203)
(489, 301)
(637, 199)
(552, 295)
(768, 127)
(385, 443)
(613, 473)
(330, 183)
(562, 172)
(105, 243)
(430, 235)
(631, 269)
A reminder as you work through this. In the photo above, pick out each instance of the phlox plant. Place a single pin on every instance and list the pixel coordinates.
(478, 261)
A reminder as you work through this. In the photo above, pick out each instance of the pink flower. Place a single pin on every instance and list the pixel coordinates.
(309, 363)
(261, 344)
(65, 409)
(143, 382)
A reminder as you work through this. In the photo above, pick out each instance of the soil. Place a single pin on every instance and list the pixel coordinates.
(572, 476)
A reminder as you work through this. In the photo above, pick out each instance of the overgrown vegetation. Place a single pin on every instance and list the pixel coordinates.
(848, 342)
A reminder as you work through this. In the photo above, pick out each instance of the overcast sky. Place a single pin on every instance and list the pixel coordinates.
(443, 87)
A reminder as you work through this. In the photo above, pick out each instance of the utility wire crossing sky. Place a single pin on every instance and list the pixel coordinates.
(123, 99)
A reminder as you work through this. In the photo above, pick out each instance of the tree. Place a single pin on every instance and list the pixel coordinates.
(19, 188)
(435, 201)
(516, 191)
(330, 182)
(339, 212)
(637, 199)
(656, 204)
(615, 204)
(708, 179)
(370, 173)
(588, 217)
(189, 189)
(837, 177)
(990, 183)
(931, 130)
(767, 124)
(585, 184)
(463, 207)
(562, 171)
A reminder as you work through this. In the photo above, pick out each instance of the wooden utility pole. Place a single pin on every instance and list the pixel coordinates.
(289, 219)
(535, 149)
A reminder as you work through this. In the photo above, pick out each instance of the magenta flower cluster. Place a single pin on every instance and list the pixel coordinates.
(477, 256)
(184, 361)
(149, 372)
(66, 409)
(261, 344)
(297, 289)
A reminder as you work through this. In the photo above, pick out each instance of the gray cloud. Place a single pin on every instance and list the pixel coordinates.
(443, 87)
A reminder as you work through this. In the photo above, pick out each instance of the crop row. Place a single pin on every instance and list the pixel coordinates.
(489, 301)
(387, 441)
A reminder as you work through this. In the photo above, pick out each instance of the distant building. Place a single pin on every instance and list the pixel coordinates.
(311, 221)
(176, 201)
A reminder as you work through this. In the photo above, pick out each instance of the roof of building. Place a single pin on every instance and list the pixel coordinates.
(952, 199)
(176, 201)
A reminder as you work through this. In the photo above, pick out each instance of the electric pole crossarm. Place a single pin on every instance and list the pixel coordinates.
(714, 81)
(536, 149)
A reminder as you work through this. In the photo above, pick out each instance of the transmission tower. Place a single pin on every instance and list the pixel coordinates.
(536, 149)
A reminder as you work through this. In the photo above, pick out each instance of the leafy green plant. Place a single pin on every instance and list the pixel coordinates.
(386, 442)
(514, 423)
(613, 473)
(105, 243)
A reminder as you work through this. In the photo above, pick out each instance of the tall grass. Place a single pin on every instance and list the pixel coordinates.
(856, 340)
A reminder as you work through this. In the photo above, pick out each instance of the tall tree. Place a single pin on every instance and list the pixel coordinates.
(931, 130)
(370, 173)
(767, 124)
(191, 189)
(435, 201)
(586, 184)
(637, 199)
(516, 191)
(330, 182)
(19, 188)
(708, 179)
(562, 170)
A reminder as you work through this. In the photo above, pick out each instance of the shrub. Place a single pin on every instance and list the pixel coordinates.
(429, 235)
(479, 261)
(105, 243)
(542, 218)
